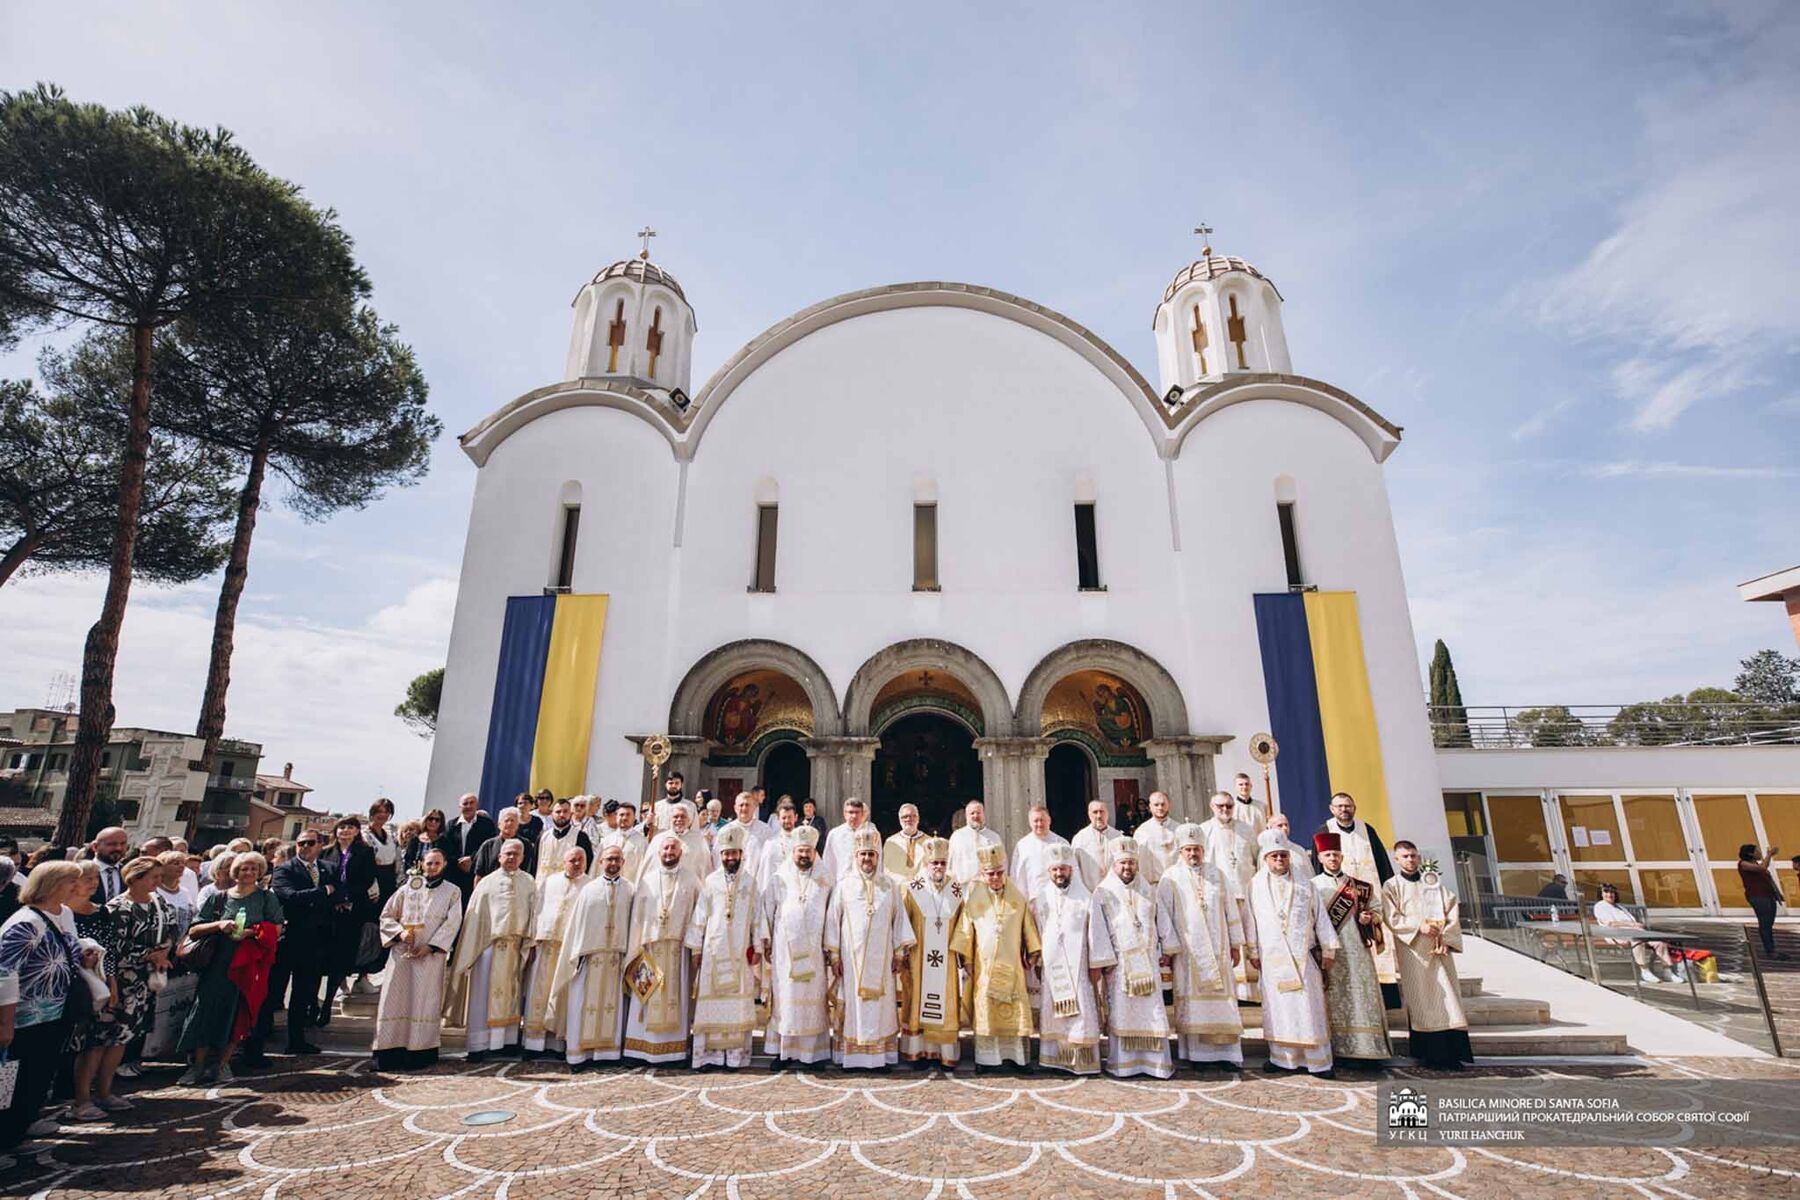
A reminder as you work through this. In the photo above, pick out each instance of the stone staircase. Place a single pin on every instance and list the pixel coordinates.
(1499, 1026)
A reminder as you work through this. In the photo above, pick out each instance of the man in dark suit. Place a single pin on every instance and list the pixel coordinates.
(109, 848)
(307, 895)
(467, 832)
(487, 858)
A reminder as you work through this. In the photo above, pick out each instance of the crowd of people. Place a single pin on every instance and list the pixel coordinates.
(565, 927)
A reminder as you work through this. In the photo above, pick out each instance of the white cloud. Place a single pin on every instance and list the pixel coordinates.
(1633, 469)
(1539, 422)
(319, 696)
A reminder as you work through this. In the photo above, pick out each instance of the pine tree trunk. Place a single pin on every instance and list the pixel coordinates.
(18, 556)
(211, 725)
(102, 650)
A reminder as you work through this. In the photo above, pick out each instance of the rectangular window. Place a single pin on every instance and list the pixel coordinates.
(1087, 550)
(925, 562)
(1290, 546)
(565, 558)
(765, 548)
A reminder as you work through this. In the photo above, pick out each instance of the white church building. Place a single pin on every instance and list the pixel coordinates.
(931, 541)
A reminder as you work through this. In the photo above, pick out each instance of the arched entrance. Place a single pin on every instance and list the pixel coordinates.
(1068, 787)
(927, 759)
(785, 772)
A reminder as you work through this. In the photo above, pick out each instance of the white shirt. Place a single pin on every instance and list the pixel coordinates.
(1031, 861)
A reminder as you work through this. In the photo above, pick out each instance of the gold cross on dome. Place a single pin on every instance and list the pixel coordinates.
(644, 236)
(1204, 232)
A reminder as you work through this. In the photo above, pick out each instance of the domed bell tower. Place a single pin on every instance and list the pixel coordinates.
(1219, 316)
(633, 323)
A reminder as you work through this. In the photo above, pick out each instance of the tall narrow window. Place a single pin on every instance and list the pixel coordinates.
(565, 557)
(1087, 550)
(1290, 546)
(925, 564)
(765, 548)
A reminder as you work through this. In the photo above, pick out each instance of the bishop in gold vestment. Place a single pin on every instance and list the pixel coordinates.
(997, 939)
(931, 1009)
(490, 958)
(590, 971)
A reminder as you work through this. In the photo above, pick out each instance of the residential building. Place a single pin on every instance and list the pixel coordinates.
(278, 808)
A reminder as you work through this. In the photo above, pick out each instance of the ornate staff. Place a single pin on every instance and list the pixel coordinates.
(656, 750)
(1263, 749)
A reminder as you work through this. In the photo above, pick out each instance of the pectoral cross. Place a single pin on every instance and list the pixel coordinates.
(653, 341)
(1234, 329)
(1200, 339)
(615, 338)
(644, 236)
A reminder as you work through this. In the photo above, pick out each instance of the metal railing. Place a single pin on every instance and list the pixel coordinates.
(1710, 723)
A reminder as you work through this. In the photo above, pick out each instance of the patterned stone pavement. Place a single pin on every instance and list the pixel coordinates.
(332, 1126)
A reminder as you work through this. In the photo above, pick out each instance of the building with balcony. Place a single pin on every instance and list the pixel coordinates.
(278, 807)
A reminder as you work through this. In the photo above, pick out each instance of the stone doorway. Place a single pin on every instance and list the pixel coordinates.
(785, 772)
(926, 759)
(1068, 788)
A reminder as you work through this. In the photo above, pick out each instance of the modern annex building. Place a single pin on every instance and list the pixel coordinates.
(931, 541)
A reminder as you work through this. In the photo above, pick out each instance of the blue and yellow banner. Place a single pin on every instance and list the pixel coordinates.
(1320, 708)
(543, 712)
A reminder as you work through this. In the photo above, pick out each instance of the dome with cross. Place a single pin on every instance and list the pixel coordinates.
(633, 321)
(1219, 316)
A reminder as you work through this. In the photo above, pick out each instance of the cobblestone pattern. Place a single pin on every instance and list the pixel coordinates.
(332, 1126)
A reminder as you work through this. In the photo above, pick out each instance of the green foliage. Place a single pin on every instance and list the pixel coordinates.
(1449, 719)
(1553, 725)
(1769, 677)
(420, 708)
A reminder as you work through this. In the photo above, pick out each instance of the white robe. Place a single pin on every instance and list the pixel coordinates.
(776, 852)
(794, 909)
(1231, 851)
(1068, 1040)
(656, 1031)
(490, 957)
(1199, 910)
(589, 972)
(1293, 992)
(1156, 848)
(838, 854)
(410, 1014)
(724, 927)
(865, 926)
(1031, 861)
(965, 865)
(556, 900)
(552, 848)
(1127, 934)
(1093, 854)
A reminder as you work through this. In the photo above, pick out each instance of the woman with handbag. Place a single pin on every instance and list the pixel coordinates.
(350, 865)
(45, 961)
(225, 919)
(139, 943)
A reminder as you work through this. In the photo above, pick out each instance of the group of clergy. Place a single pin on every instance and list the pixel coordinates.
(1117, 953)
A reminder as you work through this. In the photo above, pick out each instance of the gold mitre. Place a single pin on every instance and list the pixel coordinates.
(1125, 847)
(991, 857)
(936, 849)
(806, 835)
(730, 838)
(868, 838)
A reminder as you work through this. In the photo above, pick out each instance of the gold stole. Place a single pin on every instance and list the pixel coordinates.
(724, 968)
(504, 967)
(1002, 975)
(1140, 969)
(600, 1022)
(662, 1012)
(537, 1004)
(1290, 980)
(1064, 1000)
(864, 990)
(800, 952)
(1203, 955)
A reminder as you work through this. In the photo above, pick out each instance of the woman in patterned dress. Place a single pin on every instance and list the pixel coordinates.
(44, 962)
(138, 937)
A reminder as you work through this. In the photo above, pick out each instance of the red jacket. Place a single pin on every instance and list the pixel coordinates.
(250, 967)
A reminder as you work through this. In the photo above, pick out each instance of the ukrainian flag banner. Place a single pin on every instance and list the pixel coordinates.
(543, 712)
(1320, 708)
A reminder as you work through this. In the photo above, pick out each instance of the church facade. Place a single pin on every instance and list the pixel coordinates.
(929, 542)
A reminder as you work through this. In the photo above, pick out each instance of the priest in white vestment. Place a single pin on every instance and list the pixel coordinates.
(1286, 922)
(794, 905)
(966, 844)
(1156, 840)
(657, 972)
(1068, 1009)
(1426, 920)
(562, 833)
(1353, 1000)
(556, 904)
(1093, 845)
(1231, 851)
(490, 958)
(1030, 857)
(1127, 940)
(590, 970)
(1250, 810)
(1208, 941)
(757, 834)
(932, 986)
(419, 924)
(682, 823)
(723, 938)
(866, 937)
(637, 843)
(902, 854)
(838, 858)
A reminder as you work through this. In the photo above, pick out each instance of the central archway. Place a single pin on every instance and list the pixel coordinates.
(1068, 787)
(927, 759)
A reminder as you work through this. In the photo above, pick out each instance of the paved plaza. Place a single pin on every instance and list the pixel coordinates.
(331, 1126)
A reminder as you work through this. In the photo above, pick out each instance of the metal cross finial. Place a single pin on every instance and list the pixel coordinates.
(644, 235)
(1204, 232)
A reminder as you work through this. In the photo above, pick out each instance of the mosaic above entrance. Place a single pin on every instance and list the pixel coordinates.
(754, 703)
(1100, 705)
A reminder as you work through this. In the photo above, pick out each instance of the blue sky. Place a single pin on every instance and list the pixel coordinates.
(1553, 241)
